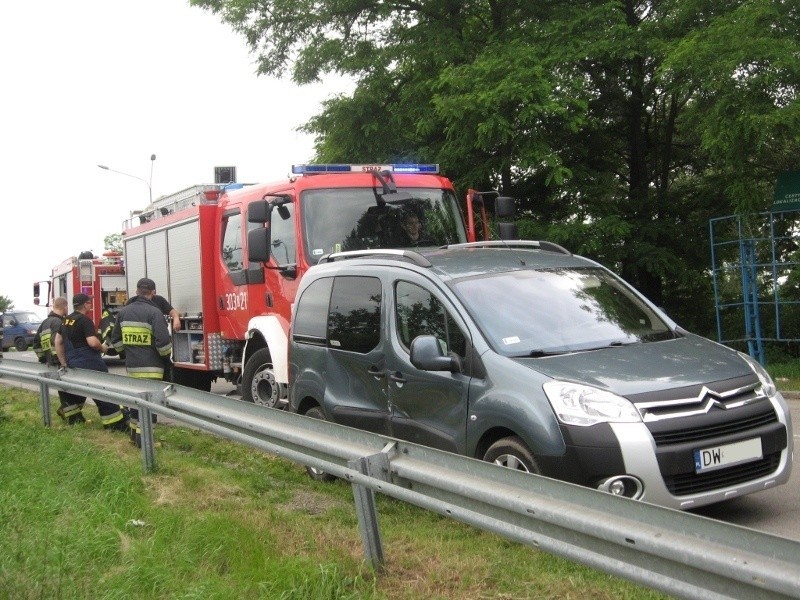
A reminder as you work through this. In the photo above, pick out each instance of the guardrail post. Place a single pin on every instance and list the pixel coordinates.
(44, 393)
(376, 466)
(367, 517)
(146, 425)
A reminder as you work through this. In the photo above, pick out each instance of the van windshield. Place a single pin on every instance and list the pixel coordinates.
(340, 219)
(27, 317)
(553, 311)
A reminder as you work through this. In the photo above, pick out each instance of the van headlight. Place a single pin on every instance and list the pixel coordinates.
(767, 385)
(583, 405)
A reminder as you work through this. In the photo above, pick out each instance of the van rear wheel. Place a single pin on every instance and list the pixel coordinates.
(513, 453)
(318, 474)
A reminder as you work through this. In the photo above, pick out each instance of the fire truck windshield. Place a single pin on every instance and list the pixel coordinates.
(340, 219)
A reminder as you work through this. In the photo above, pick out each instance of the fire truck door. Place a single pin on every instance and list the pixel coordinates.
(233, 278)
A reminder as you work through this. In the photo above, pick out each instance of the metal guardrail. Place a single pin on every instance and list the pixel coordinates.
(682, 554)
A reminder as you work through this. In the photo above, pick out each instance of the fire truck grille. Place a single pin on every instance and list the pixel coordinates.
(694, 483)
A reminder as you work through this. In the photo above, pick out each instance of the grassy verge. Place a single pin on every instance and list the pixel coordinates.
(78, 519)
(786, 375)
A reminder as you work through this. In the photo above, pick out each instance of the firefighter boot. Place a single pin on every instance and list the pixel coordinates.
(76, 419)
(73, 419)
(121, 426)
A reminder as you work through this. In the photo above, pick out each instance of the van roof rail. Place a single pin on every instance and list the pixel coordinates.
(410, 255)
(527, 244)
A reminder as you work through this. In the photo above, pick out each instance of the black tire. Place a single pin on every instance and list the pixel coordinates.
(512, 452)
(20, 344)
(318, 474)
(259, 385)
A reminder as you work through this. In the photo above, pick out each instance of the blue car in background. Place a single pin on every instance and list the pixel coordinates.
(19, 329)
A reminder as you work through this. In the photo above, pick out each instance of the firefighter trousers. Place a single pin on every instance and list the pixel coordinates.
(111, 415)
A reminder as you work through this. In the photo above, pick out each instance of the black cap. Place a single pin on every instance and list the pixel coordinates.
(80, 300)
(146, 284)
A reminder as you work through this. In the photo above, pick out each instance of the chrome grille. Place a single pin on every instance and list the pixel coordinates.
(708, 431)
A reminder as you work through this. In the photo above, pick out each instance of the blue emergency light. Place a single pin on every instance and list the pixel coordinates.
(395, 168)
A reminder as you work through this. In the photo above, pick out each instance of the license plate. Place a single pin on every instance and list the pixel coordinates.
(718, 457)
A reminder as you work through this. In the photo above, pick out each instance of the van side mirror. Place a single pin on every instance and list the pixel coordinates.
(427, 355)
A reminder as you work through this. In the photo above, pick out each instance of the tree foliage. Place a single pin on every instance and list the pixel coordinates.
(621, 126)
(113, 242)
(6, 303)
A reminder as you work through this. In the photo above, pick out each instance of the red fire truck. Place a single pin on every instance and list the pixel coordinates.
(103, 278)
(229, 257)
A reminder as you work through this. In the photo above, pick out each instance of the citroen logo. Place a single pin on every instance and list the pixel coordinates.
(710, 398)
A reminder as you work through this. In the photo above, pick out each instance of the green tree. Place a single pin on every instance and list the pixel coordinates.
(113, 242)
(622, 126)
(6, 303)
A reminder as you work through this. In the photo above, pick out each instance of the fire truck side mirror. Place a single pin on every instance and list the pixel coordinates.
(505, 207)
(258, 245)
(508, 231)
(259, 211)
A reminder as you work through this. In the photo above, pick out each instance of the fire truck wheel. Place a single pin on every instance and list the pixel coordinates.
(258, 380)
(314, 473)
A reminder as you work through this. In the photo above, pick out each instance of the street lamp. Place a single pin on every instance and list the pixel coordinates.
(149, 184)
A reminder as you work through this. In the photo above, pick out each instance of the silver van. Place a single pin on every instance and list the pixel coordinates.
(525, 355)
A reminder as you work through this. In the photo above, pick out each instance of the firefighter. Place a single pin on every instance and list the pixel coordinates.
(44, 343)
(77, 346)
(172, 316)
(44, 340)
(141, 332)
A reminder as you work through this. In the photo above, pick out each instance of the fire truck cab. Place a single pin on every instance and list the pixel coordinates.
(230, 257)
(103, 278)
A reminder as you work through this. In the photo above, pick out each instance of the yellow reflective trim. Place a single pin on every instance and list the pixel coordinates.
(137, 335)
(147, 375)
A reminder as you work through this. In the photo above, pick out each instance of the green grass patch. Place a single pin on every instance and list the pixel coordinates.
(786, 375)
(79, 519)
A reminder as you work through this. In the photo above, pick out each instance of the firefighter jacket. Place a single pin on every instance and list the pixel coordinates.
(44, 342)
(141, 332)
(106, 325)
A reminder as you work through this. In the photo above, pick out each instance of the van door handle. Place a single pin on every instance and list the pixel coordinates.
(376, 372)
(397, 377)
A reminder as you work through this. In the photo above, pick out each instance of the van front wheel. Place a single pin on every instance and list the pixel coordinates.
(513, 453)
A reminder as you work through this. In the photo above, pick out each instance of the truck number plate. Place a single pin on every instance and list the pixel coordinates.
(727, 455)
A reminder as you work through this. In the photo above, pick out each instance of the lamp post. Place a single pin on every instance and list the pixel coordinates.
(149, 184)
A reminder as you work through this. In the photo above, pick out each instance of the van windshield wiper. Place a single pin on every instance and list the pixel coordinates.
(540, 353)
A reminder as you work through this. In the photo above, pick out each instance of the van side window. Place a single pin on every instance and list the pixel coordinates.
(232, 254)
(419, 312)
(354, 321)
(311, 312)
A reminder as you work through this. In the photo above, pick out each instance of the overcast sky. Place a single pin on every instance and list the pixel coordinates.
(112, 82)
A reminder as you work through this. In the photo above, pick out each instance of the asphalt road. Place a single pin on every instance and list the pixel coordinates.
(776, 510)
